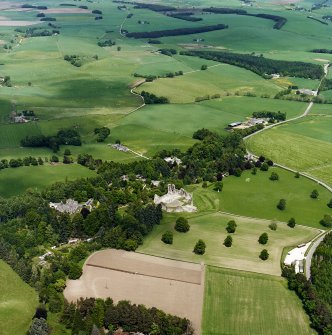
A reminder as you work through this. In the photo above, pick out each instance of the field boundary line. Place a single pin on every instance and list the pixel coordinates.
(267, 220)
(143, 274)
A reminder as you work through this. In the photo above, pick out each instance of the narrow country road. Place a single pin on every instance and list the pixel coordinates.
(311, 252)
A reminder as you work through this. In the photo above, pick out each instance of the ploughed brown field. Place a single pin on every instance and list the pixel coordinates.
(175, 287)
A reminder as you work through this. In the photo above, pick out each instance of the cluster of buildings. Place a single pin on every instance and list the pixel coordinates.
(248, 123)
(71, 206)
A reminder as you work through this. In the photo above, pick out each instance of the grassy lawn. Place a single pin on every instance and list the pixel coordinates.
(311, 144)
(242, 303)
(257, 196)
(17, 302)
(243, 254)
(14, 181)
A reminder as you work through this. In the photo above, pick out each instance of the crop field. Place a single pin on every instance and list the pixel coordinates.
(17, 302)
(243, 303)
(257, 196)
(38, 177)
(175, 287)
(211, 227)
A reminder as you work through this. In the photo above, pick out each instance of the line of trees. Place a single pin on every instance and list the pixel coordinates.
(279, 20)
(89, 315)
(177, 32)
(273, 116)
(68, 136)
(316, 307)
(150, 98)
(261, 65)
(322, 51)
(326, 85)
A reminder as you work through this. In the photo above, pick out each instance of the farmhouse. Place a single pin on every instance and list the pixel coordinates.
(175, 201)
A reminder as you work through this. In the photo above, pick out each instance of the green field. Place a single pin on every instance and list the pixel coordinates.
(311, 144)
(38, 177)
(17, 302)
(214, 114)
(243, 255)
(257, 196)
(220, 79)
(242, 303)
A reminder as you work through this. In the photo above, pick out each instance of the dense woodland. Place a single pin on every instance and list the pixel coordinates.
(316, 294)
(261, 65)
(124, 213)
(90, 313)
(321, 270)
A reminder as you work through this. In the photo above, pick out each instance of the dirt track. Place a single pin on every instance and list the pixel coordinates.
(173, 286)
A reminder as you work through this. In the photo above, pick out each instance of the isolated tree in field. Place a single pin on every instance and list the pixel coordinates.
(218, 186)
(297, 175)
(228, 241)
(200, 247)
(264, 167)
(67, 152)
(231, 227)
(326, 221)
(264, 255)
(273, 226)
(274, 176)
(263, 238)
(314, 194)
(167, 237)
(204, 67)
(182, 225)
(281, 204)
(291, 223)
(254, 171)
(330, 204)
